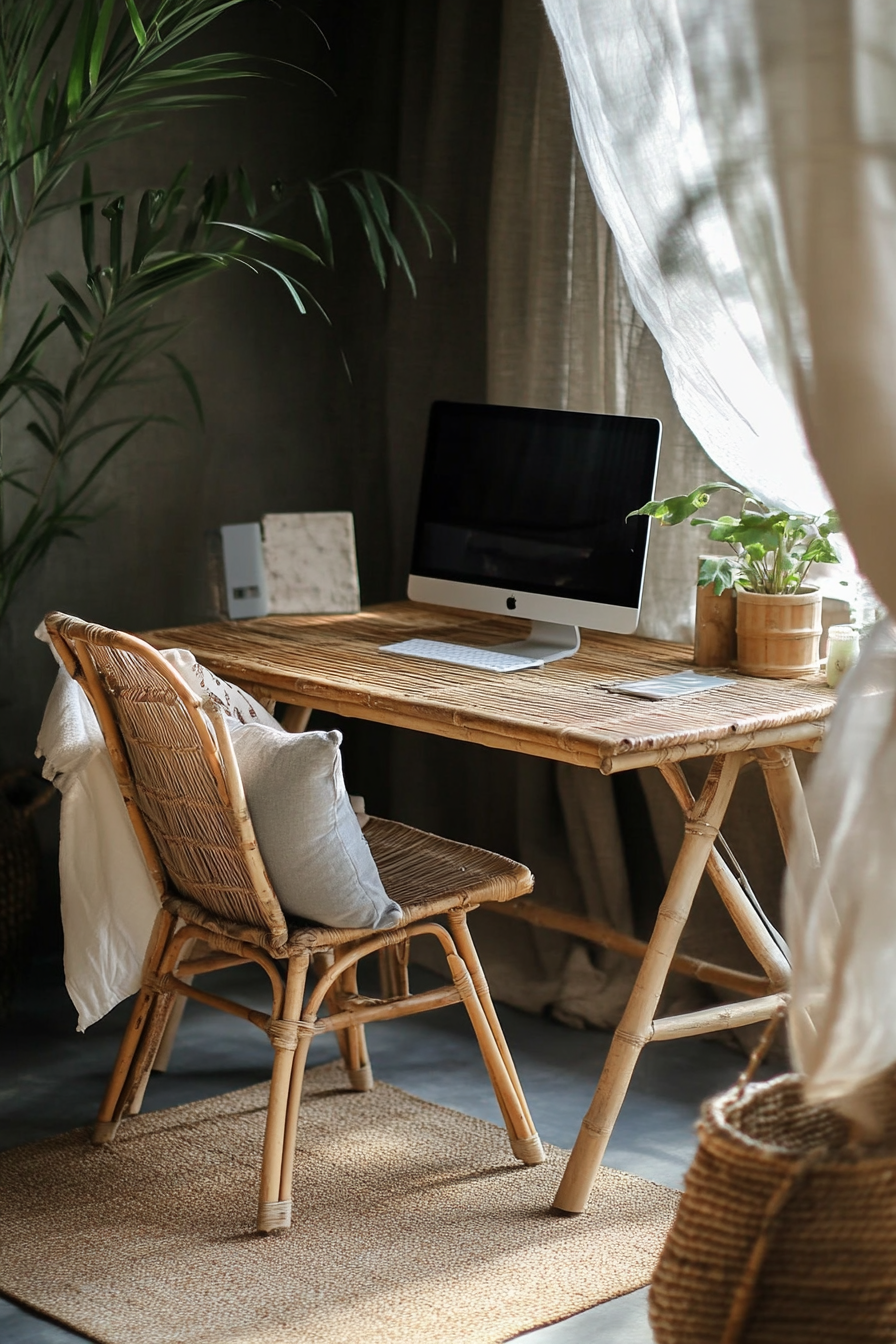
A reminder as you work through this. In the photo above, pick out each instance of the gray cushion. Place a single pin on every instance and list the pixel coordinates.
(311, 841)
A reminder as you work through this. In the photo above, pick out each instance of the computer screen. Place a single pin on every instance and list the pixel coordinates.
(534, 502)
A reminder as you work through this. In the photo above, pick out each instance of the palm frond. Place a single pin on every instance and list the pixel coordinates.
(77, 76)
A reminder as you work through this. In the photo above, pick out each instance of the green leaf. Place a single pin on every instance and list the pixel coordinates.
(145, 236)
(71, 322)
(35, 339)
(38, 432)
(245, 189)
(114, 213)
(290, 283)
(99, 43)
(821, 550)
(369, 226)
(278, 239)
(72, 297)
(74, 91)
(107, 456)
(323, 221)
(380, 210)
(675, 509)
(415, 208)
(189, 383)
(136, 23)
(10, 478)
(718, 571)
(88, 228)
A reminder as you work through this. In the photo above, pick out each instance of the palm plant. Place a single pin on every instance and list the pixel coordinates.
(122, 75)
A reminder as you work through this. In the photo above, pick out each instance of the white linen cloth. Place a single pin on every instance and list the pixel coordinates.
(670, 112)
(109, 900)
(744, 155)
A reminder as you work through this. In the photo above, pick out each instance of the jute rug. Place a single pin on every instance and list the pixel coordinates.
(411, 1223)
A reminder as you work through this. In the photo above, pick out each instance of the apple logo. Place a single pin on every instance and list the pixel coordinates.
(511, 604)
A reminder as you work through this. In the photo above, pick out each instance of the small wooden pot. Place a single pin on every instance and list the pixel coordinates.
(778, 633)
(715, 638)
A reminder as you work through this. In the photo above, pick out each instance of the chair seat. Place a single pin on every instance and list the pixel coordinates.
(425, 874)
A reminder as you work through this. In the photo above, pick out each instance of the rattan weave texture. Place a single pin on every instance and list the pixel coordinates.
(424, 873)
(785, 1233)
(413, 1226)
(173, 765)
(180, 781)
(565, 710)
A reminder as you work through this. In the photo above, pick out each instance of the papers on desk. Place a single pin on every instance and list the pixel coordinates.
(674, 684)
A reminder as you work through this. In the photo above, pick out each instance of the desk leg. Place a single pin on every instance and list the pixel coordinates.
(702, 825)
(295, 718)
(785, 792)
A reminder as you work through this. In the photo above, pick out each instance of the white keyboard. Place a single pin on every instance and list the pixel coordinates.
(486, 660)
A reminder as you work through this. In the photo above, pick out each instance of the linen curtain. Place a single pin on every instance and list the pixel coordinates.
(537, 312)
(780, 182)
(670, 177)
(563, 331)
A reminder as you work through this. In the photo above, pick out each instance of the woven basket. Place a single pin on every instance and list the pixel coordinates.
(20, 797)
(786, 1232)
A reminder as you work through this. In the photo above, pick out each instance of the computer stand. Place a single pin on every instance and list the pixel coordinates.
(547, 642)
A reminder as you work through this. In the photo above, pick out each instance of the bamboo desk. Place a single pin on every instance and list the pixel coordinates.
(563, 711)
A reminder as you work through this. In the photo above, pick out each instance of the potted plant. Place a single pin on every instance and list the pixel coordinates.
(78, 77)
(778, 613)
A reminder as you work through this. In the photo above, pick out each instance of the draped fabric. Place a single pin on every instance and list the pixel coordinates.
(756, 217)
(489, 141)
(563, 331)
(682, 204)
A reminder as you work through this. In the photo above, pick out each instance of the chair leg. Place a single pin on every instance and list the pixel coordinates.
(291, 1123)
(157, 1041)
(457, 922)
(351, 1041)
(275, 1202)
(166, 1044)
(357, 1060)
(142, 1024)
(393, 966)
(524, 1141)
(167, 1008)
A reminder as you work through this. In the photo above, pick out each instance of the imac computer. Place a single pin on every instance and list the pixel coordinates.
(522, 512)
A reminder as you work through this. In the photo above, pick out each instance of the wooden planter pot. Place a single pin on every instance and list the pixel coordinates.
(778, 634)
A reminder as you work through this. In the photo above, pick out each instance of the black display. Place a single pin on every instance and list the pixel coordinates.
(536, 500)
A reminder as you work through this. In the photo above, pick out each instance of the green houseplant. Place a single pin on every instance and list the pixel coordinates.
(77, 76)
(778, 613)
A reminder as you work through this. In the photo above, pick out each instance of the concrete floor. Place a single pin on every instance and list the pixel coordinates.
(51, 1080)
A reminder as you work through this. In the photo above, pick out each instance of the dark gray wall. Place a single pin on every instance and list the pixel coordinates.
(284, 428)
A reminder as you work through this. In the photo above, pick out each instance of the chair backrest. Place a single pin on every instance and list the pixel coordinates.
(174, 762)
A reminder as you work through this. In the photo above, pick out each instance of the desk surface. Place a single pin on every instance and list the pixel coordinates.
(563, 711)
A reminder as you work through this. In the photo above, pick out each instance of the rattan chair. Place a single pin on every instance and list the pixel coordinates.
(181, 784)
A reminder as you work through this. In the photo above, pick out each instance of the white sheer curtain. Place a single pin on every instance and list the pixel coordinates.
(744, 154)
(674, 194)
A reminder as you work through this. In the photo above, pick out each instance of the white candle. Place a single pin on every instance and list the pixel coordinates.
(843, 650)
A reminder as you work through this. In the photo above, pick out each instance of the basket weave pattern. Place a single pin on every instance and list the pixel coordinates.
(786, 1233)
(180, 788)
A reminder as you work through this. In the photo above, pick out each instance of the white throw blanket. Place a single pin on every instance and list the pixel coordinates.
(109, 900)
